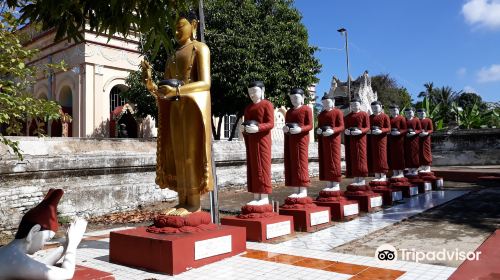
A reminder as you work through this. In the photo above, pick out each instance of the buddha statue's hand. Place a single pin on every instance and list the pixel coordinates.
(376, 132)
(395, 133)
(75, 232)
(251, 129)
(423, 134)
(319, 131)
(147, 76)
(286, 129)
(295, 130)
(356, 132)
(167, 92)
(347, 132)
(410, 134)
(328, 132)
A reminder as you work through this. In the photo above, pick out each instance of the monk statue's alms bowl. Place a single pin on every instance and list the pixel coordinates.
(250, 122)
(394, 129)
(325, 128)
(292, 125)
(411, 130)
(375, 127)
(353, 128)
(172, 83)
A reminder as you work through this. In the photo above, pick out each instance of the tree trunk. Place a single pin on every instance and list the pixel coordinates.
(235, 125)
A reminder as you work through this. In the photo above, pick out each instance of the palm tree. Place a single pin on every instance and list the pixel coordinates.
(429, 88)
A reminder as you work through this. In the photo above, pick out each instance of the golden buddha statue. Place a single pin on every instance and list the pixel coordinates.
(184, 156)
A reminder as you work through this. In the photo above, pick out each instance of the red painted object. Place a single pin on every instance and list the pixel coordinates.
(337, 208)
(486, 268)
(302, 218)
(364, 200)
(87, 273)
(256, 228)
(169, 253)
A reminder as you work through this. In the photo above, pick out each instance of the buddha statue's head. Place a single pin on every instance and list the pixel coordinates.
(376, 107)
(421, 113)
(327, 102)
(297, 97)
(409, 113)
(256, 91)
(355, 105)
(394, 110)
(186, 27)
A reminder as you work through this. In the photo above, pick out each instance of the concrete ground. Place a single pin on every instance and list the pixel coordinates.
(462, 224)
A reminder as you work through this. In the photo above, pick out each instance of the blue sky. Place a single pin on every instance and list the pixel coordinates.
(449, 42)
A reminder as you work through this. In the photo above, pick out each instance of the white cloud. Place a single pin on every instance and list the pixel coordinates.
(461, 71)
(483, 13)
(469, 89)
(490, 74)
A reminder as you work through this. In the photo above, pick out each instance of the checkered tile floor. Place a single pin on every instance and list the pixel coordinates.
(309, 256)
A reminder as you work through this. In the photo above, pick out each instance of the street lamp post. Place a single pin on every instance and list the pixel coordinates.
(343, 31)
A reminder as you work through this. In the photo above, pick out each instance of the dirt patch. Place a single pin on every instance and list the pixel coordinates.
(462, 224)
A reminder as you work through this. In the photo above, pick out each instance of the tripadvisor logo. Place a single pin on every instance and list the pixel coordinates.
(387, 252)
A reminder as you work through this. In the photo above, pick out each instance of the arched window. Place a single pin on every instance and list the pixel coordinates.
(115, 100)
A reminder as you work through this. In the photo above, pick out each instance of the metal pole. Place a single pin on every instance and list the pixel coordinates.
(202, 21)
(348, 75)
(214, 196)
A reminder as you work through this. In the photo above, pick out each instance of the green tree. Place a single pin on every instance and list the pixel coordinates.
(467, 99)
(16, 79)
(389, 92)
(124, 17)
(273, 48)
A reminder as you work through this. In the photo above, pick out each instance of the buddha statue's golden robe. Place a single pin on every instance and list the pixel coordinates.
(184, 154)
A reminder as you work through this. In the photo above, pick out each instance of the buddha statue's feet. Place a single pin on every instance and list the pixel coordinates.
(293, 195)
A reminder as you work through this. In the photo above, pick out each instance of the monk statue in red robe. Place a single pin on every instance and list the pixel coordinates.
(396, 158)
(380, 126)
(425, 141)
(256, 129)
(330, 127)
(357, 124)
(412, 142)
(298, 123)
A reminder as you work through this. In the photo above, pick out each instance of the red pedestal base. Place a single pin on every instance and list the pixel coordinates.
(309, 219)
(423, 186)
(262, 229)
(174, 253)
(408, 190)
(341, 210)
(389, 195)
(368, 202)
(87, 273)
(437, 182)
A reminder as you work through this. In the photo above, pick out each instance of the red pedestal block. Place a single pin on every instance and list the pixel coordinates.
(174, 253)
(408, 190)
(368, 201)
(404, 185)
(389, 195)
(437, 182)
(341, 210)
(309, 219)
(87, 273)
(262, 229)
(423, 186)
